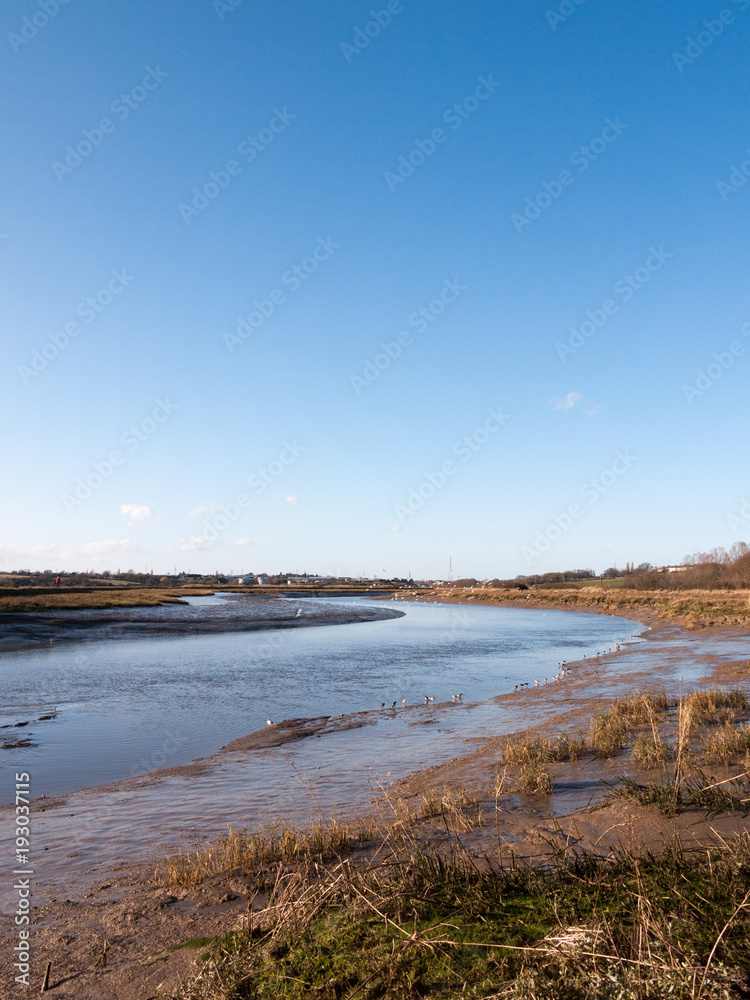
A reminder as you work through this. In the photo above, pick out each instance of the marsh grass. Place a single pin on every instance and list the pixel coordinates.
(240, 849)
(524, 748)
(642, 707)
(608, 734)
(454, 805)
(649, 751)
(417, 923)
(532, 755)
(671, 794)
(727, 743)
(127, 597)
(535, 778)
(715, 705)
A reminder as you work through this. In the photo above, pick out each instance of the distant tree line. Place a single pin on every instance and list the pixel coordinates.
(718, 569)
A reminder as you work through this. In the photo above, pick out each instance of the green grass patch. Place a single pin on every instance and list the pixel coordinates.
(425, 925)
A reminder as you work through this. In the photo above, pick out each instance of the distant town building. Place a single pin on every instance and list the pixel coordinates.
(262, 581)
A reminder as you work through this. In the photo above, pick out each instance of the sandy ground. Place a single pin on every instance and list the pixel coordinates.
(150, 929)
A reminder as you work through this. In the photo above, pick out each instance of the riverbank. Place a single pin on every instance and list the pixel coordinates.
(151, 617)
(479, 800)
(692, 609)
(21, 599)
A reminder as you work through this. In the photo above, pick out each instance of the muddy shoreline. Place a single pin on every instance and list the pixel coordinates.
(232, 613)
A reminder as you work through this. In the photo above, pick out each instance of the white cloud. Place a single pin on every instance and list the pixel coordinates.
(294, 500)
(136, 512)
(397, 527)
(206, 508)
(589, 407)
(106, 548)
(567, 402)
(49, 556)
(244, 541)
(195, 544)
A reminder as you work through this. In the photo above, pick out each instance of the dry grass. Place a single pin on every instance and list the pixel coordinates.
(715, 705)
(525, 748)
(416, 924)
(642, 708)
(239, 849)
(649, 751)
(608, 734)
(535, 778)
(533, 755)
(692, 608)
(727, 743)
(105, 598)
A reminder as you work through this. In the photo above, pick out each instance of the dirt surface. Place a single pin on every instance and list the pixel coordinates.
(153, 932)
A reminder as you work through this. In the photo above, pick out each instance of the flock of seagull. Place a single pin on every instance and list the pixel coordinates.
(455, 698)
(561, 674)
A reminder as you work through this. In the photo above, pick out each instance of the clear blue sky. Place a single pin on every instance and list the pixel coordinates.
(425, 150)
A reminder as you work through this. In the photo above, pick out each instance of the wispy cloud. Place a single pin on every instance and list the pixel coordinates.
(137, 514)
(292, 500)
(207, 508)
(566, 402)
(589, 407)
(244, 541)
(124, 547)
(48, 556)
(195, 544)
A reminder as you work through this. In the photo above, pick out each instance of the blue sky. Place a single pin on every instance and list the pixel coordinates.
(323, 173)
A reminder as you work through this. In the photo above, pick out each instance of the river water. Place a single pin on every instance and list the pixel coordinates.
(126, 706)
